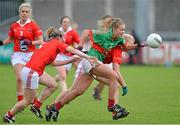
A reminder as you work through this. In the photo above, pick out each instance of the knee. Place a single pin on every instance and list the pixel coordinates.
(113, 76)
(19, 80)
(54, 85)
(62, 77)
(117, 85)
(28, 101)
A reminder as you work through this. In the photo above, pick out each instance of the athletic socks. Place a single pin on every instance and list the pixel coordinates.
(9, 114)
(111, 103)
(37, 104)
(19, 97)
(58, 105)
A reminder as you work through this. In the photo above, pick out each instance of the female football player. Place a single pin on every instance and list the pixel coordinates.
(72, 39)
(85, 73)
(26, 34)
(34, 68)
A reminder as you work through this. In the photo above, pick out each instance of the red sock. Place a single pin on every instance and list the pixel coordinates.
(35, 100)
(9, 114)
(58, 105)
(111, 102)
(37, 103)
(20, 97)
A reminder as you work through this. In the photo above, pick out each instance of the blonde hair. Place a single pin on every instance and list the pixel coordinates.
(51, 32)
(25, 5)
(111, 23)
(115, 22)
(104, 25)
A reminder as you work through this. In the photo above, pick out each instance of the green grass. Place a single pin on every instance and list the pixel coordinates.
(153, 98)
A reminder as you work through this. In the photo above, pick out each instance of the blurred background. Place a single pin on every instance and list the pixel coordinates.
(142, 17)
(152, 75)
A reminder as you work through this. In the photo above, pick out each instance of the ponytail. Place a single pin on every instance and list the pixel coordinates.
(53, 33)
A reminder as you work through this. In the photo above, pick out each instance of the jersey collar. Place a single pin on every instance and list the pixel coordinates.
(28, 21)
(69, 29)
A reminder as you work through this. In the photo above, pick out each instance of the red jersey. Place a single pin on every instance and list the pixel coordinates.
(45, 55)
(114, 56)
(18, 32)
(71, 37)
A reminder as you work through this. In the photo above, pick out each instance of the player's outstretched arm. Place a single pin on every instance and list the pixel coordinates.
(92, 60)
(60, 63)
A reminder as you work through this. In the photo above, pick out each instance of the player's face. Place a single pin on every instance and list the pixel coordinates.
(119, 31)
(66, 23)
(24, 13)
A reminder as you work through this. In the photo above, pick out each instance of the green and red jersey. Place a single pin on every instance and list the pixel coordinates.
(103, 43)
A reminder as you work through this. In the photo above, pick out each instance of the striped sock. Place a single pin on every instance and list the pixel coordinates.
(37, 103)
(19, 97)
(58, 105)
(111, 103)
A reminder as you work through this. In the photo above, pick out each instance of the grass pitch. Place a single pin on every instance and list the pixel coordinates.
(153, 98)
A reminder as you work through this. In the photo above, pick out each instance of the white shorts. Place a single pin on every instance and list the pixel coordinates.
(20, 57)
(62, 57)
(30, 78)
(109, 65)
(83, 67)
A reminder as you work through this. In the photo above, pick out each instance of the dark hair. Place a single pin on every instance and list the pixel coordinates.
(61, 20)
(53, 33)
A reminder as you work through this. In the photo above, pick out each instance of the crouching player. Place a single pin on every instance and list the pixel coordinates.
(34, 69)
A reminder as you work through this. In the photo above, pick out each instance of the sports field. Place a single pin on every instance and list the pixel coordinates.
(153, 98)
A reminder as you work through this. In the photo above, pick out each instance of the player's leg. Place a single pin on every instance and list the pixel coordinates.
(106, 72)
(99, 87)
(51, 86)
(104, 81)
(30, 80)
(78, 73)
(18, 60)
(97, 91)
(62, 71)
(29, 95)
(49, 109)
(19, 87)
(79, 87)
(62, 74)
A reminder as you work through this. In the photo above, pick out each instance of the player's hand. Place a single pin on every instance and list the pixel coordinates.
(77, 58)
(1, 43)
(85, 52)
(27, 42)
(93, 61)
(79, 48)
(125, 90)
(141, 44)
